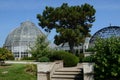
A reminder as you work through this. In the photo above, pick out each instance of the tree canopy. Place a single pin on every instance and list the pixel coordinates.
(72, 23)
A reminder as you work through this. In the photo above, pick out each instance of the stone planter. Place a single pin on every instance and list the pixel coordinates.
(88, 71)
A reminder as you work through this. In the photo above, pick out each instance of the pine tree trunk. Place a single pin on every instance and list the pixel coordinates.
(71, 45)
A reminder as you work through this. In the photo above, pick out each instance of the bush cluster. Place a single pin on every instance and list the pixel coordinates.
(81, 56)
(43, 53)
(28, 58)
(107, 59)
(88, 59)
(43, 59)
(69, 59)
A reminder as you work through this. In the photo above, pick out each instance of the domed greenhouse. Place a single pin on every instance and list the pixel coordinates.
(20, 39)
(105, 33)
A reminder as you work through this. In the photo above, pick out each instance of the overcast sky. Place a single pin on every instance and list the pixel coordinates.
(13, 12)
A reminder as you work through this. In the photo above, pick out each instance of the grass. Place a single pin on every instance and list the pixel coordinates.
(16, 72)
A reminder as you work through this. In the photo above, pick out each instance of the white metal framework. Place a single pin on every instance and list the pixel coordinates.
(20, 39)
(105, 33)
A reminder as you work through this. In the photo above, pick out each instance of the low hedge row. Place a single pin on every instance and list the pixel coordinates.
(69, 59)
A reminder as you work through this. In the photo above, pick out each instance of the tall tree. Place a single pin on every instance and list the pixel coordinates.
(72, 23)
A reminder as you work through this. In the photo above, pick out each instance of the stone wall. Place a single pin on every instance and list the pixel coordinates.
(46, 70)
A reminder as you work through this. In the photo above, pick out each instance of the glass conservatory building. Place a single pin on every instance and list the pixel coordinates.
(106, 32)
(20, 39)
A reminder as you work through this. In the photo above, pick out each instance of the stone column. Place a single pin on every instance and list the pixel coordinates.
(43, 76)
(43, 70)
(88, 71)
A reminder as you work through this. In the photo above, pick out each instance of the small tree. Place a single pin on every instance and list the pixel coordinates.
(5, 54)
(107, 59)
(40, 48)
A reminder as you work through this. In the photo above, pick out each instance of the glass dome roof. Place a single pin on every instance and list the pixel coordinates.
(23, 35)
(105, 33)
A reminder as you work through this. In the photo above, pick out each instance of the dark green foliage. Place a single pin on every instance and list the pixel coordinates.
(81, 56)
(88, 59)
(28, 58)
(68, 58)
(44, 59)
(72, 23)
(107, 59)
(90, 50)
(56, 55)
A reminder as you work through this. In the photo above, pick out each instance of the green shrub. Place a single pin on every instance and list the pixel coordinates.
(56, 55)
(90, 50)
(107, 59)
(43, 59)
(88, 59)
(68, 58)
(28, 58)
(81, 56)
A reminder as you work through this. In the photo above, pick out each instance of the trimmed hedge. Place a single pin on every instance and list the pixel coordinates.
(56, 55)
(69, 59)
(43, 59)
(28, 58)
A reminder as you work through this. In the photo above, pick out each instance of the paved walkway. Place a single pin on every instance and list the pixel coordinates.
(21, 62)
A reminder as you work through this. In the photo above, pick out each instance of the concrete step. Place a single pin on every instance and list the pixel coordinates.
(66, 73)
(65, 76)
(64, 79)
(69, 70)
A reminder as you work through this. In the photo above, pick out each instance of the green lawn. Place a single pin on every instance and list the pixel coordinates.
(15, 72)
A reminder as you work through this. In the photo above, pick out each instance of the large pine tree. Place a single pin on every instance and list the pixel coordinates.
(72, 23)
